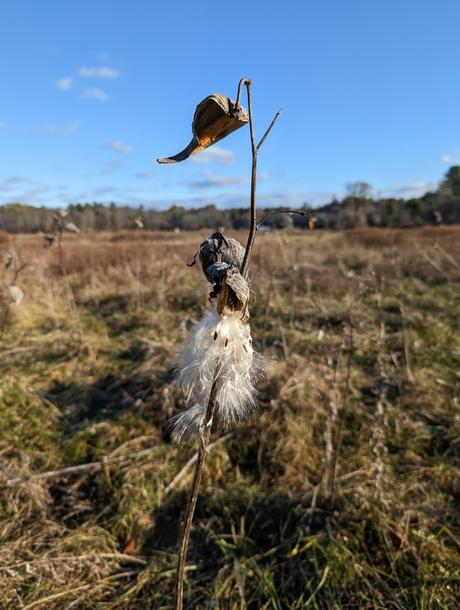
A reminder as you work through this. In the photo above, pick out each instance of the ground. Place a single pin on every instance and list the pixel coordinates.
(343, 490)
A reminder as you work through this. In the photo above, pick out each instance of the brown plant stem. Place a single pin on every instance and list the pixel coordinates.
(253, 219)
(261, 222)
(212, 403)
(255, 149)
(182, 554)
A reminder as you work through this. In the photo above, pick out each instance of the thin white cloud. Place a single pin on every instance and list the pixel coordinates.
(16, 180)
(119, 146)
(96, 94)
(60, 131)
(112, 167)
(145, 174)
(65, 83)
(104, 72)
(210, 180)
(36, 195)
(112, 193)
(273, 198)
(451, 157)
(407, 191)
(214, 154)
(12, 183)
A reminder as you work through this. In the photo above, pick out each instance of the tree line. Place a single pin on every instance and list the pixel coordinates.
(357, 209)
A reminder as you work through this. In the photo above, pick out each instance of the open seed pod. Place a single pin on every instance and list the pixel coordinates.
(221, 259)
(233, 295)
(215, 118)
(219, 249)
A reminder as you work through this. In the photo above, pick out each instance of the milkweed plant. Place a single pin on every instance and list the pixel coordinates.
(218, 367)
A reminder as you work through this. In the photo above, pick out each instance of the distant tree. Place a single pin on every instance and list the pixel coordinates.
(451, 182)
(359, 190)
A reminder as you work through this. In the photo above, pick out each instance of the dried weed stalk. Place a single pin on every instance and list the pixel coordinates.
(218, 366)
(60, 227)
(14, 293)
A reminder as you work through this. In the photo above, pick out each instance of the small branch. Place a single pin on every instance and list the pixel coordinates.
(54, 596)
(120, 557)
(17, 271)
(181, 474)
(254, 148)
(270, 127)
(434, 265)
(240, 85)
(99, 465)
(450, 258)
(253, 225)
(261, 222)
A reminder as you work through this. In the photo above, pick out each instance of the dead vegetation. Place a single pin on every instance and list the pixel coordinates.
(342, 493)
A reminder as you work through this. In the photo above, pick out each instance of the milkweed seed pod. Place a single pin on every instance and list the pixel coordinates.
(218, 248)
(219, 347)
(215, 118)
(221, 259)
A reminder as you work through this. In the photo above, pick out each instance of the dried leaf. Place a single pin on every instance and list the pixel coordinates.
(233, 294)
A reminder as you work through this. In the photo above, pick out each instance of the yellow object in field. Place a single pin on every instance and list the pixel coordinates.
(215, 118)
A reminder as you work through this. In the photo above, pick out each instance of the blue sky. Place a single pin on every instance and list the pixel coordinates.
(93, 92)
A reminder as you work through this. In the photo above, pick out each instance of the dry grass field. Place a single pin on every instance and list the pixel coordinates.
(344, 490)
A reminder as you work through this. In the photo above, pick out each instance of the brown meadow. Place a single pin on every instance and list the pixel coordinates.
(342, 493)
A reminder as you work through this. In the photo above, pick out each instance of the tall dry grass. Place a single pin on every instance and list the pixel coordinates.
(343, 492)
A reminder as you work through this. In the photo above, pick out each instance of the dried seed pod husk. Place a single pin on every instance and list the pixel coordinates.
(220, 249)
(233, 295)
(215, 118)
(221, 259)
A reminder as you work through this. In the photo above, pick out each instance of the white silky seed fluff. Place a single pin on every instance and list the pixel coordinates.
(223, 345)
